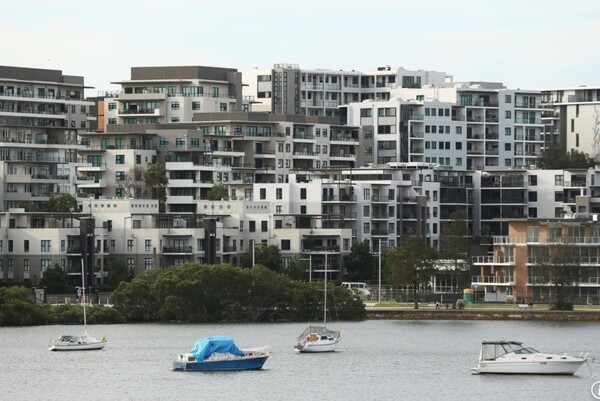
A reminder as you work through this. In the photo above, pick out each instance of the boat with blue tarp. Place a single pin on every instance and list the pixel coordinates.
(221, 353)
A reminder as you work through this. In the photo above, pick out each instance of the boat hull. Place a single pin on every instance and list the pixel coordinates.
(251, 363)
(78, 347)
(532, 368)
(328, 346)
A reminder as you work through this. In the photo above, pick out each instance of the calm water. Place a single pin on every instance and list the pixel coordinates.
(378, 360)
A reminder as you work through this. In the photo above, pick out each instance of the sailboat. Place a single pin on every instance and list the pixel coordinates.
(319, 338)
(82, 342)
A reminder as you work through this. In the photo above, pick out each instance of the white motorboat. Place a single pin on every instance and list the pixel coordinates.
(319, 338)
(82, 342)
(510, 357)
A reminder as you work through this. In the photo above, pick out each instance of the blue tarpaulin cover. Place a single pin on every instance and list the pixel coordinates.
(205, 347)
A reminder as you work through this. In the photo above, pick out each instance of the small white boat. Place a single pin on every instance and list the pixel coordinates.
(77, 343)
(319, 338)
(510, 357)
(220, 353)
(82, 342)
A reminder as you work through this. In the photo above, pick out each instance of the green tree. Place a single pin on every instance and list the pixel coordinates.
(411, 264)
(455, 246)
(156, 181)
(63, 203)
(298, 269)
(559, 265)
(554, 157)
(266, 255)
(217, 192)
(360, 263)
(118, 271)
(55, 280)
(18, 309)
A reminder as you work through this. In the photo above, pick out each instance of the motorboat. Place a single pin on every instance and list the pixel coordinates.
(319, 338)
(216, 353)
(510, 357)
(82, 342)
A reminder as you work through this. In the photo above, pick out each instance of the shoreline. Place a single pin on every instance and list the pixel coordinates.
(399, 313)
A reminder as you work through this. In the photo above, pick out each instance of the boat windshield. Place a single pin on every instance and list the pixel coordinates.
(494, 349)
(527, 350)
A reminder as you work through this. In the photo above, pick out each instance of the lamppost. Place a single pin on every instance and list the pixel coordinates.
(253, 254)
(379, 291)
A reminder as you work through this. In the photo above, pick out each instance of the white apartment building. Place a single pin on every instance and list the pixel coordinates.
(41, 114)
(465, 126)
(172, 94)
(573, 118)
(288, 89)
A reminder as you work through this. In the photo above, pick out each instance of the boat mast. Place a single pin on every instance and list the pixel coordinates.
(325, 294)
(83, 297)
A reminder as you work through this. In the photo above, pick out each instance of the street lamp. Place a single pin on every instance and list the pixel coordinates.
(379, 291)
(253, 254)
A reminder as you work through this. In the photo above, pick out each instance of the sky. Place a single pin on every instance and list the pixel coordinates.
(526, 44)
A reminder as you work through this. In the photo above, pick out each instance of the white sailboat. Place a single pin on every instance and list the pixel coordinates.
(319, 338)
(82, 342)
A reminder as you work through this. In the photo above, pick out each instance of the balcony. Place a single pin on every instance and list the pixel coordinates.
(493, 280)
(177, 249)
(493, 260)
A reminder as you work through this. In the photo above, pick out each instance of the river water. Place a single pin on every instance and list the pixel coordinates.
(378, 360)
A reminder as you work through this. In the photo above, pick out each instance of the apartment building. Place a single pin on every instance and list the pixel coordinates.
(41, 114)
(289, 89)
(472, 125)
(237, 149)
(520, 267)
(573, 118)
(172, 94)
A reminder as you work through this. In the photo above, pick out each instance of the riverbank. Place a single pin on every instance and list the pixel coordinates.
(508, 313)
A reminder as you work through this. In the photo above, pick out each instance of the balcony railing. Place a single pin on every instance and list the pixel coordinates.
(177, 249)
(493, 260)
(493, 280)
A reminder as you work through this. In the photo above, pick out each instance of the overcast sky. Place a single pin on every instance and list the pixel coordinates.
(529, 44)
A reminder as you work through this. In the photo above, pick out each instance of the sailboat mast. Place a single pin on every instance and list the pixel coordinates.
(325, 294)
(83, 296)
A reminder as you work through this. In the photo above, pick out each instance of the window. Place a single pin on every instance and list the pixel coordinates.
(120, 159)
(532, 180)
(120, 176)
(278, 193)
(507, 147)
(508, 131)
(366, 228)
(112, 120)
(175, 119)
(507, 114)
(278, 210)
(458, 145)
(366, 211)
(174, 105)
(459, 161)
(196, 106)
(559, 180)
(507, 99)
(26, 245)
(285, 245)
(302, 193)
(148, 264)
(263, 194)
(252, 226)
(148, 245)
(533, 196)
(112, 106)
(264, 226)
(180, 142)
(222, 106)
(458, 130)
(367, 193)
(303, 209)
(45, 245)
(507, 162)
